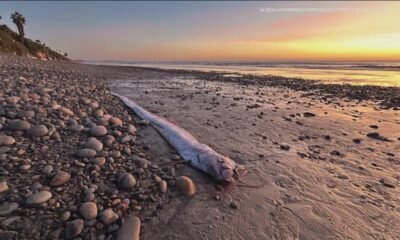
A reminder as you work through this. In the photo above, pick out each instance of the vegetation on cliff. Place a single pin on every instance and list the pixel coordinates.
(16, 44)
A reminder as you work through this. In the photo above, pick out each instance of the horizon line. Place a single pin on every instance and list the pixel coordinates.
(235, 61)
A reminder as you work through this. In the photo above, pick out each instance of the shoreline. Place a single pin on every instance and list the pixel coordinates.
(386, 97)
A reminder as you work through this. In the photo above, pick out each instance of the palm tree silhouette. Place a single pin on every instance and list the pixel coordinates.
(19, 20)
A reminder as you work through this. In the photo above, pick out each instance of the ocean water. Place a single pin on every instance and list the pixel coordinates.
(355, 73)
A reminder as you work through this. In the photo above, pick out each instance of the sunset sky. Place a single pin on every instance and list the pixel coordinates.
(179, 31)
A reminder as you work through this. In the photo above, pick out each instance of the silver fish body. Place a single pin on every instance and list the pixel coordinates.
(189, 148)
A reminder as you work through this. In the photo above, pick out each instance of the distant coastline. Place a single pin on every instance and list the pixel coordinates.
(354, 73)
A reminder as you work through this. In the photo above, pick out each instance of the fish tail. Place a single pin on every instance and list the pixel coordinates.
(130, 103)
(140, 112)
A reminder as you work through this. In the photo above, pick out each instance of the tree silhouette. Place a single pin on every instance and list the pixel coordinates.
(19, 20)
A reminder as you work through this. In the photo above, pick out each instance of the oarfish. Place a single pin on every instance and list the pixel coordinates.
(199, 155)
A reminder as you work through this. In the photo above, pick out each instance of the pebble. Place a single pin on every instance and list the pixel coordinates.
(76, 128)
(175, 157)
(127, 181)
(25, 167)
(91, 223)
(65, 216)
(115, 154)
(103, 122)
(20, 152)
(95, 144)
(99, 113)
(94, 104)
(108, 142)
(309, 114)
(6, 140)
(285, 147)
(55, 106)
(86, 153)
(88, 210)
(55, 234)
(127, 151)
(89, 124)
(234, 204)
(114, 121)
(157, 179)
(60, 178)
(163, 186)
(74, 228)
(143, 122)
(131, 129)
(7, 208)
(116, 202)
(39, 197)
(26, 114)
(38, 130)
(126, 139)
(387, 183)
(3, 186)
(89, 196)
(185, 185)
(3, 150)
(67, 111)
(47, 169)
(376, 135)
(99, 161)
(130, 229)
(13, 100)
(36, 186)
(19, 125)
(85, 101)
(117, 133)
(98, 131)
(143, 163)
(108, 216)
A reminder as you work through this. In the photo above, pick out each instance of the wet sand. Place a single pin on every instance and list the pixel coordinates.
(325, 178)
(377, 74)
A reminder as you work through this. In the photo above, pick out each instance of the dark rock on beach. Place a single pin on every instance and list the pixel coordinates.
(309, 114)
(74, 228)
(377, 136)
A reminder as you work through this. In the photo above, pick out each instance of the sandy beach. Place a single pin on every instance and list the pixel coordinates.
(323, 159)
(330, 163)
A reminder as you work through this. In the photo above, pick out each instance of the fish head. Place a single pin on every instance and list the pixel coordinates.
(228, 170)
(233, 174)
(220, 167)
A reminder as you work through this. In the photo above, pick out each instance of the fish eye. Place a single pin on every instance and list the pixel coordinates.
(227, 173)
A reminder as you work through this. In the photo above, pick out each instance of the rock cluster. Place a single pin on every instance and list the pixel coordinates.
(70, 164)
